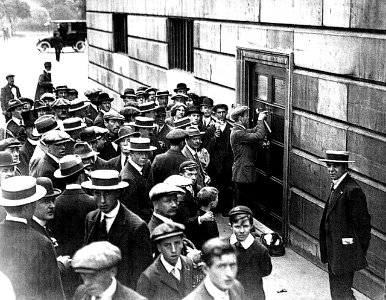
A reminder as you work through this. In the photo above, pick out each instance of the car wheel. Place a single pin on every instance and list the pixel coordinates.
(43, 46)
(80, 46)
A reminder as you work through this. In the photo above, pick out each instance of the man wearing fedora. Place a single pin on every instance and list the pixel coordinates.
(27, 103)
(160, 132)
(129, 97)
(206, 108)
(123, 141)
(89, 155)
(73, 126)
(113, 222)
(78, 108)
(27, 257)
(170, 276)
(44, 82)
(112, 122)
(104, 106)
(97, 265)
(345, 227)
(193, 143)
(14, 126)
(8, 92)
(56, 148)
(137, 172)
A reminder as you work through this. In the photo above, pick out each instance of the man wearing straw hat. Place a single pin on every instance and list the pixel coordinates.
(137, 172)
(27, 258)
(345, 227)
(113, 222)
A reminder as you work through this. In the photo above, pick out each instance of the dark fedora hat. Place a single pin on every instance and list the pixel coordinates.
(13, 103)
(89, 135)
(47, 63)
(47, 184)
(181, 86)
(104, 97)
(337, 157)
(29, 117)
(143, 122)
(44, 124)
(84, 150)
(69, 165)
(126, 131)
(207, 102)
(9, 75)
(6, 159)
(140, 144)
(160, 111)
(128, 92)
(28, 100)
(105, 180)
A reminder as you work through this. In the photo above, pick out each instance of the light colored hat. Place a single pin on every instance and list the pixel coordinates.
(60, 102)
(167, 230)
(238, 111)
(9, 143)
(193, 131)
(77, 104)
(140, 144)
(113, 115)
(95, 257)
(44, 124)
(178, 180)
(56, 137)
(163, 189)
(337, 157)
(143, 122)
(105, 180)
(126, 131)
(69, 165)
(84, 150)
(72, 124)
(20, 190)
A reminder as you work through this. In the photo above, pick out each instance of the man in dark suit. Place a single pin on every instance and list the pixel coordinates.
(27, 257)
(160, 132)
(171, 274)
(243, 142)
(26, 151)
(112, 121)
(104, 106)
(56, 142)
(14, 128)
(220, 267)
(92, 98)
(168, 163)
(113, 222)
(345, 227)
(44, 83)
(8, 92)
(137, 172)
(97, 265)
(78, 108)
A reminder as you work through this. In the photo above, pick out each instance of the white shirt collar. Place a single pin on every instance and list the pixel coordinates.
(17, 121)
(138, 168)
(339, 180)
(73, 186)
(108, 293)
(216, 293)
(15, 219)
(162, 218)
(191, 150)
(113, 213)
(168, 266)
(33, 142)
(246, 243)
(39, 221)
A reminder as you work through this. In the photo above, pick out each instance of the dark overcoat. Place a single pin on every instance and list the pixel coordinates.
(6, 95)
(98, 121)
(28, 259)
(131, 235)
(114, 164)
(46, 168)
(167, 164)
(156, 283)
(204, 232)
(44, 85)
(160, 140)
(345, 216)
(154, 222)
(108, 151)
(16, 131)
(244, 142)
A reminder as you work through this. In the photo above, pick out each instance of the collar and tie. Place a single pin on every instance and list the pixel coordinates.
(176, 273)
(239, 246)
(102, 229)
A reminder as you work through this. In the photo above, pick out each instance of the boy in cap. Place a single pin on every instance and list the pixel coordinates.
(97, 265)
(44, 82)
(170, 276)
(345, 229)
(113, 222)
(253, 258)
(27, 258)
(112, 121)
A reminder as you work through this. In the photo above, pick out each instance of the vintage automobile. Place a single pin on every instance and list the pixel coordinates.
(72, 32)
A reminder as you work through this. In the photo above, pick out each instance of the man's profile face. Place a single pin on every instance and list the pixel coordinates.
(105, 106)
(45, 208)
(97, 283)
(223, 271)
(106, 200)
(171, 249)
(194, 142)
(336, 170)
(166, 206)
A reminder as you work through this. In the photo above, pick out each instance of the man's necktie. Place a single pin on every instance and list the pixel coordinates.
(102, 230)
(176, 273)
(126, 159)
(239, 246)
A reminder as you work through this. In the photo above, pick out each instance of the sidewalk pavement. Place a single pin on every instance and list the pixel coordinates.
(293, 276)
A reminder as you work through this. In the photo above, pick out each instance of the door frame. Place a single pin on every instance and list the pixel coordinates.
(244, 58)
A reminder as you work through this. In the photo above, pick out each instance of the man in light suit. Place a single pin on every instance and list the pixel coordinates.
(27, 257)
(170, 276)
(220, 267)
(244, 142)
(113, 222)
(97, 265)
(345, 227)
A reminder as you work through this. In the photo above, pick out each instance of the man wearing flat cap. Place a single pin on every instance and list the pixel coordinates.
(8, 92)
(244, 142)
(171, 274)
(168, 163)
(112, 122)
(27, 257)
(92, 99)
(345, 227)
(113, 222)
(97, 265)
(44, 82)
(60, 107)
(14, 126)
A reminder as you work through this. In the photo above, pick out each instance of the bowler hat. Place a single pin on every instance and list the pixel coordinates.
(193, 131)
(140, 144)
(13, 103)
(9, 75)
(163, 189)
(207, 102)
(9, 143)
(238, 111)
(128, 93)
(6, 159)
(105, 180)
(72, 124)
(126, 131)
(69, 165)
(220, 105)
(147, 106)
(240, 209)
(20, 190)
(95, 257)
(47, 184)
(188, 164)
(104, 97)
(29, 117)
(143, 122)
(167, 230)
(77, 104)
(84, 150)
(176, 134)
(178, 180)
(25, 99)
(44, 124)
(55, 137)
(181, 86)
(60, 102)
(182, 123)
(337, 157)
(89, 134)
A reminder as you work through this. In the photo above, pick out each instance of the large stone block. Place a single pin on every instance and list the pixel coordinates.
(299, 12)
(280, 39)
(219, 94)
(100, 39)
(336, 13)
(151, 75)
(217, 68)
(376, 254)
(305, 92)
(207, 35)
(229, 37)
(363, 55)
(99, 5)
(99, 21)
(153, 28)
(153, 52)
(368, 150)
(368, 14)
(332, 100)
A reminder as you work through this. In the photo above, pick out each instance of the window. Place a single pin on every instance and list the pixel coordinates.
(180, 44)
(120, 32)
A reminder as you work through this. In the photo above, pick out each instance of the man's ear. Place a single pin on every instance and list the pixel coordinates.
(105, 122)
(205, 268)
(158, 248)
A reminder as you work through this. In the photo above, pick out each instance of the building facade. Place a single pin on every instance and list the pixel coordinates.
(317, 66)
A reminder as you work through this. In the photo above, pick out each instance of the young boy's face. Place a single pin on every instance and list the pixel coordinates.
(215, 202)
(241, 229)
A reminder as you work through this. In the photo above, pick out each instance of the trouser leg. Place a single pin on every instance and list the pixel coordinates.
(340, 286)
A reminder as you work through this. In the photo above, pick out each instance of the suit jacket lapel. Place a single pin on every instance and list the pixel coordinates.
(118, 227)
(164, 276)
(186, 277)
(91, 225)
(336, 194)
